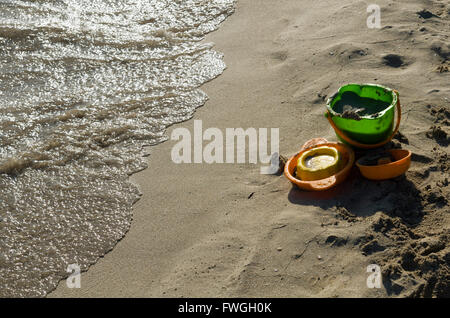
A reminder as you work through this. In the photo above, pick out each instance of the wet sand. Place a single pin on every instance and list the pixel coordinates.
(222, 230)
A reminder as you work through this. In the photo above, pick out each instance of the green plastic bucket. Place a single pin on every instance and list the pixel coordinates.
(363, 114)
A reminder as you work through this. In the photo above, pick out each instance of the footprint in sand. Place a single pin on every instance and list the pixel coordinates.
(439, 131)
(393, 60)
(425, 14)
(279, 56)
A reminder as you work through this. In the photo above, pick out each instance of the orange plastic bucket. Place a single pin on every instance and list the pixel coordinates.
(390, 170)
(347, 157)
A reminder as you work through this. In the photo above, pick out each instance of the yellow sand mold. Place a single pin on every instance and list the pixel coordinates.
(318, 163)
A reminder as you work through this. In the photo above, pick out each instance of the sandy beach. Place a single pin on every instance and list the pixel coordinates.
(225, 230)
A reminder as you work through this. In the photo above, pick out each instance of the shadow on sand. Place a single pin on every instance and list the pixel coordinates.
(359, 197)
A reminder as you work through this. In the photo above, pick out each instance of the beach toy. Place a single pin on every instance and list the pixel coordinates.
(391, 164)
(362, 115)
(318, 163)
(346, 158)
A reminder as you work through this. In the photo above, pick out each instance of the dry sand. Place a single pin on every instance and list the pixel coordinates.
(198, 231)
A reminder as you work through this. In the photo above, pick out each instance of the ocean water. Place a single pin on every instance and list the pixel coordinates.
(85, 85)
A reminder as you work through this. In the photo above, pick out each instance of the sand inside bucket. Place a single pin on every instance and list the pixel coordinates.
(353, 106)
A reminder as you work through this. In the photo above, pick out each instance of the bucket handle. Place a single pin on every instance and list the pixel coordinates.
(352, 142)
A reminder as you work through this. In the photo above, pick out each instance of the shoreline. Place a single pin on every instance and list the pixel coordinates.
(224, 230)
